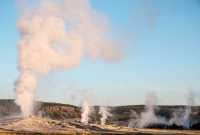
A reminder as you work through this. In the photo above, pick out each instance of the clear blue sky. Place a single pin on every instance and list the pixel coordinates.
(163, 55)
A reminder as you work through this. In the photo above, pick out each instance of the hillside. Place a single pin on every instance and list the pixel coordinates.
(57, 111)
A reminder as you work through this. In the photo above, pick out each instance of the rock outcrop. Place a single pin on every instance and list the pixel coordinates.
(9, 109)
(60, 112)
(120, 114)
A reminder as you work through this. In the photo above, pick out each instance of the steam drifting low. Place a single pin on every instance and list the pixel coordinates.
(180, 117)
(148, 116)
(57, 35)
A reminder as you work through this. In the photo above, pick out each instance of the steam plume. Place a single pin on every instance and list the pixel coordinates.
(86, 111)
(190, 102)
(134, 119)
(148, 116)
(56, 35)
(104, 111)
(182, 117)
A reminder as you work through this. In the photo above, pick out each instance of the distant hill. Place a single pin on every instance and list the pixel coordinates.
(59, 111)
(121, 114)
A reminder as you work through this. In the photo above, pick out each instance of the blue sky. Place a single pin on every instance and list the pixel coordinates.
(161, 40)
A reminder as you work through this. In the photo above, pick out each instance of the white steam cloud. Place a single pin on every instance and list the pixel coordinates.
(148, 116)
(182, 117)
(104, 111)
(57, 35)
(86, 111)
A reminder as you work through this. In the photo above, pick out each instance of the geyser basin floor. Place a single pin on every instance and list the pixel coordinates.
(32, 125)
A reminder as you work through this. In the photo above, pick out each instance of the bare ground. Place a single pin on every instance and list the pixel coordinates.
(42, 126)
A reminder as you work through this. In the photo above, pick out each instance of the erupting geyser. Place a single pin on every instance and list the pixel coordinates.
(148, 116)
(182, 117)
(86, 111)
(104, 111)
(56, 35)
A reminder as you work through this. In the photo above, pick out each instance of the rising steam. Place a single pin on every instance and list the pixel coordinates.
(182, 117)
(148, 116)
(86, 111)
(57, 35)
(104, 111)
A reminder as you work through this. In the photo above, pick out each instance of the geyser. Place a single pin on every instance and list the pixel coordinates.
(104, 111)
(182, 117)
(149, 115)
(57, 35)
(86, 111)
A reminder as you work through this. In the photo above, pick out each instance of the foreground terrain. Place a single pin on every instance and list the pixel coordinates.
(55, 118)
(33, 125)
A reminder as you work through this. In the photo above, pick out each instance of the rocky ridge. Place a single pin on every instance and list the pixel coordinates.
(121, 114)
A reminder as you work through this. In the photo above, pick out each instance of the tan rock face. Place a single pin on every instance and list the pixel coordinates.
(56, 111)
(41, 109)
(60, 112)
